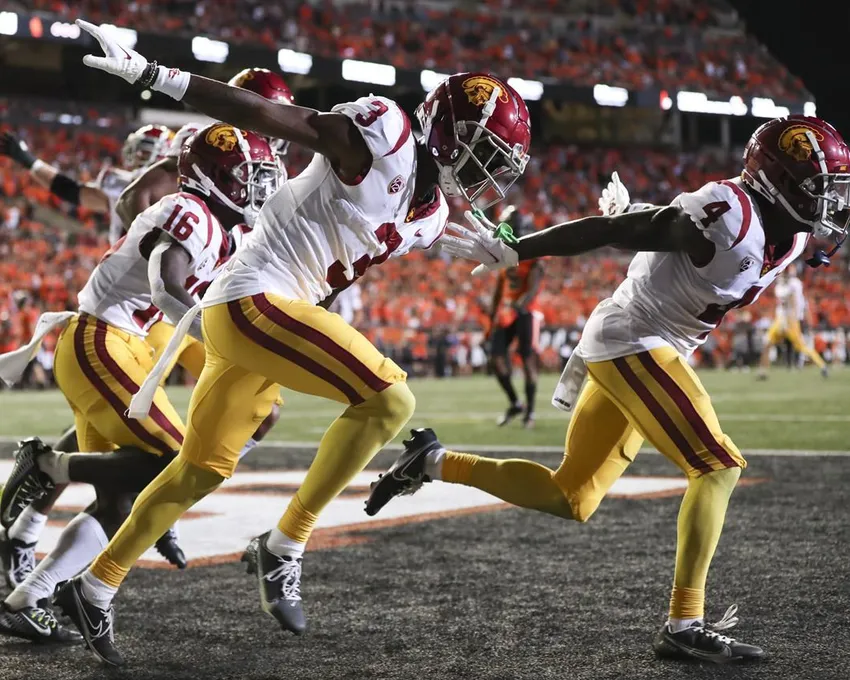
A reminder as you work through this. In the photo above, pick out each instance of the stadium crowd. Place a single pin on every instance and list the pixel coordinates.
(418, 307)
(637, 44)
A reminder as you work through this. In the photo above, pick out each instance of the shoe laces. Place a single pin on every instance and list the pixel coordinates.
(43, 616)
(24, 561)
(288, 573)
(727, 621)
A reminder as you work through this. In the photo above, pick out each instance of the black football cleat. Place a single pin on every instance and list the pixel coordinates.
(17, 559)
(279, 577)
(513, 411)
(26, 482)
(37, 624)
(704, 642)
(168, 547)
(407, 474)
(94, 623)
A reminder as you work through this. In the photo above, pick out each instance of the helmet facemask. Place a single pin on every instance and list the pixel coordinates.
(481, 170)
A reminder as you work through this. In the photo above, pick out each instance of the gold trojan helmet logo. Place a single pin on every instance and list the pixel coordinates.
(242, 78)
(795, 142)
(479, 89)
(222, 137)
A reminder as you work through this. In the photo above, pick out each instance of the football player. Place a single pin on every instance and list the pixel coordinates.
(710, 251)
(370, 192)
(142, 147)
(102, 358)
(790, 312)
(514, 316)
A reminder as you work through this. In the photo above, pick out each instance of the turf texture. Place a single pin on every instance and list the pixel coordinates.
(505, 595)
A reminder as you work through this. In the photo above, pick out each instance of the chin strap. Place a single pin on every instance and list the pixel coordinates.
(822, 259)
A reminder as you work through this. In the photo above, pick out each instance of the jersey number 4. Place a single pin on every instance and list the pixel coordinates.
(713, 212)
(388, 235)
(714, 314)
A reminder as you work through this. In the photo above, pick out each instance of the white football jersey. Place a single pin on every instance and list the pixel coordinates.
(317, 234)
(118, 291)
(666, 300)
(113, 181)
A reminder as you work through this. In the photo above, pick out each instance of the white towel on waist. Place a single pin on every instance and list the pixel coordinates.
(140, 404)
(570, 382)
(13, 364)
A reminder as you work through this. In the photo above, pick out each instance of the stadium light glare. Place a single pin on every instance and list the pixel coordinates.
(809, 109)
(60, 29)
(607, 95)
(664, 101)
(430, 79)
(764, 107)
(531, 90)
(698, 102)
(368, 72)
(8, 23)
(125, 36)
(294, 62)
(206, 49)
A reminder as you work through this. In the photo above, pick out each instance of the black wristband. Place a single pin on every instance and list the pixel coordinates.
(148, 77)
(66, 188)
(24, 157)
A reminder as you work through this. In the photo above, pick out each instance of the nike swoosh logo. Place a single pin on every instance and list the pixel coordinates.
(40, 627)
(125, 52)
(418, 233)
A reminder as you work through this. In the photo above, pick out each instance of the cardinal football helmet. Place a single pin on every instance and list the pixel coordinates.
(270, 85)
(803, 164)
(180, 138)
(146, 145)
(476, 127)
(234, 168)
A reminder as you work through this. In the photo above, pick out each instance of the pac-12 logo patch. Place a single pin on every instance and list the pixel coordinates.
(396, 184)
(746, 263)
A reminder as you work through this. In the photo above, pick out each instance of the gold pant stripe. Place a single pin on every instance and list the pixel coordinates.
(326, 345)
(673, 432)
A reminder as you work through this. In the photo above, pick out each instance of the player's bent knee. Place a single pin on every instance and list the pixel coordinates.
(396, 404)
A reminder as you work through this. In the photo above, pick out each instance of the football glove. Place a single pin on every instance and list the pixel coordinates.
(17, 150)
(615, 197)
(117, 60)
(484, 242)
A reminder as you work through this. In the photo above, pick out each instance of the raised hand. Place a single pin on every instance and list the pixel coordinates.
(615, 197)
(117, 60)
(15, 149)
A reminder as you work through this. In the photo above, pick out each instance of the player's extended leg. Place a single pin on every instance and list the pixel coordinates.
(775, 335)
(600, 445)
(528, 338)
(253, 344)
(665, 400)
(795, 337)
(500, 342)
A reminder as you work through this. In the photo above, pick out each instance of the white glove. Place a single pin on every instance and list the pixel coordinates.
(119, 61)
(479, 244)
(615, 198)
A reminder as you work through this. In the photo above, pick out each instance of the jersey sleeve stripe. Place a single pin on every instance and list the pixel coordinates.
(683, 403)
(405, 134)
(660, 415)
(80, 349)
(746, 211)
(207, 214)
(272, 344)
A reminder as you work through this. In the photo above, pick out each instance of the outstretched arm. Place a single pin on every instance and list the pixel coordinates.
(660, 229)
(168, 269)
(331, 134)
(62, 186)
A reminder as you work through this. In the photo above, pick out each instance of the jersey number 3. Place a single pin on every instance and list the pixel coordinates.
(377, 108)
(388, 235)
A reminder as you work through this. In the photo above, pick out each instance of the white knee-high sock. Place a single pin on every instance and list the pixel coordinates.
(28, 526)
(79, 544)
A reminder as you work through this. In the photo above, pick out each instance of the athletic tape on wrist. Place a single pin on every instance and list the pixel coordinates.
(171, 81)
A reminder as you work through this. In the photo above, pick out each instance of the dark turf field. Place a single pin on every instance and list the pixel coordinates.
(506, 594)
